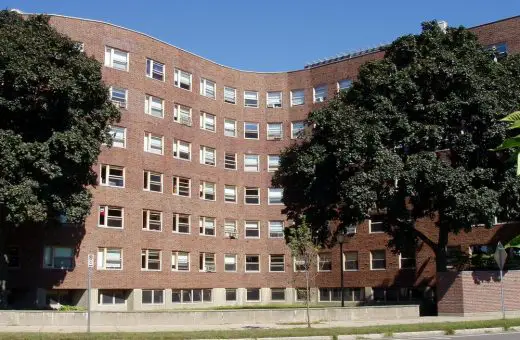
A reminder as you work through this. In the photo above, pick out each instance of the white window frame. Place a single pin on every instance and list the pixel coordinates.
(148, 137)
(175, 261)
(235, 262)
(299, 262)
(270, 131)
(341, 87)
(182, 114)
(320, 256)
(103, 292)
(269, 198)
(176, 225)
(210, 267)
(203, 227)
(276, 264)
(177, 143)
(294, 98)
(204, 83)
(146, 253)
(106, 209)
(228, 122)
(103, 261)
(177, 79)
(227, 99)
(151, 73)
(107, 178)
(109, 58)
(191, 294)
(251, 223)
(118, 101)
(227, 162)
(246, 195)
(273, 102)
(227, 197)
(259, 295)
(230, 228)
(295, 133)
(204, 151)
(147, 220)
(246, 131)
(346, 260)
(279, 235)
(272, 168)
(248, 95)
(372, 259)
(401, 258)
(149, 101)
(370, 225)
(149, 183)
(176, 186)
(205, 117)
(114, 131)
(205, 189)
(249, 163)
(317, 94)
(154, 293)
(50, 260)
(252, 263)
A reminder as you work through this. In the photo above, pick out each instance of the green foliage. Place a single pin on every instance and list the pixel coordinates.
(70, 308)
(55, 115)
(411, 137)
(512, 143)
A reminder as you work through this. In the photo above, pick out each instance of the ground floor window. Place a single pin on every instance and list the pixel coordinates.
(111, 297)
(253, 294)
(277, 294)
(334, 294)
(191, 295)
(152, 297)
(382, 294)
(231, 294)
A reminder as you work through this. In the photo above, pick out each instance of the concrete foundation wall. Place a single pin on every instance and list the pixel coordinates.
(210, 317)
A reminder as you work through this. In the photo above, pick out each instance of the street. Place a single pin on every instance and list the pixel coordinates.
(500, 336)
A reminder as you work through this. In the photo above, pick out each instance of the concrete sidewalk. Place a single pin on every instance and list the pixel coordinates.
(165, 328)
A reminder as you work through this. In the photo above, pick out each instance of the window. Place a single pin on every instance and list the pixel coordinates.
(273, 163)
(253, 294)
(154, 69)
(320, 93)
(334, 294)
(275, 195)
(230, 263)
(274, 131)
(207, 226)
(180, 261)
(301, 294)
(297, 97)
(182, 114)
(250, 130)
(300, 265)
(230, 229)
(252, 263)
(116, 59)
(230, 193)
(500, 50)
(58, 257)
(153, 143)
(208, 122)
(250, 99)
(112, 176)
(407, 260)
(230, 127)
(324, 262)
(208, 155)
(453, 256)
(181, 186)
(154, 106)
(109, 258)
(230, 95)
(231, 294)
(152, 181)
(118, 135)
(150, 259)
(297, 129)
(344, 84)
(110, 217)
(230, 161)
(182, 79)
(181, 150)
(181, 223)
(276, 229)
(111, 297)
(152, 220)
(191, 295)
(13, 257)
(252, 195)
(251, 163)
(119, 97)
(377, 259)
(252, 229)
(208, 88)
(207, 262)
(80, 46)
(277, 294)
(152, 297)
(350, 259)
(276, 263)
(375, 224)
(274, 99)
(207, 191)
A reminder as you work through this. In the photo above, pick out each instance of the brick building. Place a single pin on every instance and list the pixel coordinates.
(184, 213)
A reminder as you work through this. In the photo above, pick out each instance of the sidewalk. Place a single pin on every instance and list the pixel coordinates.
(164, 328)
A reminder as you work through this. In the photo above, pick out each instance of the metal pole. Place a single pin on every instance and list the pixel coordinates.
(88, 298)
(502, 294)
(342, 265)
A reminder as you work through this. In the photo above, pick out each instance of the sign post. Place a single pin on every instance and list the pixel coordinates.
(500, 258)
(89, 279)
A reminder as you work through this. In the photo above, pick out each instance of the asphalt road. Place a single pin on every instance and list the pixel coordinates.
(500, 336)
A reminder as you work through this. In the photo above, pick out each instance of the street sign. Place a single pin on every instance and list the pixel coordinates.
(91, 260)
(500, 256)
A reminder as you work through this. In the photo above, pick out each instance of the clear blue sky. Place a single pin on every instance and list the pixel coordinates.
(267, 35)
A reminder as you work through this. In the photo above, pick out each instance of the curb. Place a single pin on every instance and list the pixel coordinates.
(479, 331)
(419, 334)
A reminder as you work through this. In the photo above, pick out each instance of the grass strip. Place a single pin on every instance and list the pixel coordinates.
(447, 327)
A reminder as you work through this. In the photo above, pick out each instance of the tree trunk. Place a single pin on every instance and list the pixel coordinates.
(441, 259)
(3, 260)
(308, 297)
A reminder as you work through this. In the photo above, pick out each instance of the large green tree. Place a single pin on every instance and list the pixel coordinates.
(54, 116)
(412, 138)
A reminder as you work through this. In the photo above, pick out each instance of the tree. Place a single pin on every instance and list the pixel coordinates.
(411, 138)
(300, 240)
(512, 142)
(54, 116)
